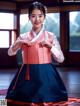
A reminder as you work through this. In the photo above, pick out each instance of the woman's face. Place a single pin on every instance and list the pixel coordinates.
(37, 18)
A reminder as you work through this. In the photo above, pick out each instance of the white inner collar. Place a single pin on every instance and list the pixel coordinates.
(37, 36)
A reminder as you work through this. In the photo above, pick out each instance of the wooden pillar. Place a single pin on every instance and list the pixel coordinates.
(64, 33)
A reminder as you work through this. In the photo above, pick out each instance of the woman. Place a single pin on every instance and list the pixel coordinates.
(37, 83)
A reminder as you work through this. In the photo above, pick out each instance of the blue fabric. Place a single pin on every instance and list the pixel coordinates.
(45, 85)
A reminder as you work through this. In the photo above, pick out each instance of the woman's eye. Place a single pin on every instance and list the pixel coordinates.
(33, 16)
(40, 16)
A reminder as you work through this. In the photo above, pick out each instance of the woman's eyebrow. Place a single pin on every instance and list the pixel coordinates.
(37, 14)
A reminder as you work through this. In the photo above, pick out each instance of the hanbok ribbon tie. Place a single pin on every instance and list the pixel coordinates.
(35, 39)
(28, 73)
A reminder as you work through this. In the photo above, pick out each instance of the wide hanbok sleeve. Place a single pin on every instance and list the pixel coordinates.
(56, 49)
(16, 46)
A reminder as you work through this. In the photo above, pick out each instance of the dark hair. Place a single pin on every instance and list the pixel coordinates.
(37, 5)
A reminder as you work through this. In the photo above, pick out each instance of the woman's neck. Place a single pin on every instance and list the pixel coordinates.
(37, 30)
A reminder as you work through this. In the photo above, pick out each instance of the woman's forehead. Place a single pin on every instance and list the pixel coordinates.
(37, 11)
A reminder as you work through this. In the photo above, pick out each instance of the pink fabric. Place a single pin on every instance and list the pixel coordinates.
(36, 54)
(36, 50)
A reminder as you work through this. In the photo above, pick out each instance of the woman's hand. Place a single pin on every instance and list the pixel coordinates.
(46, 43)
(21, 41)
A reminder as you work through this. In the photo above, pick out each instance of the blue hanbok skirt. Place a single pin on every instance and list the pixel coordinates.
(44, 85)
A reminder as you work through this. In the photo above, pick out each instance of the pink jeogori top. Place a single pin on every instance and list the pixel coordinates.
(36, 53)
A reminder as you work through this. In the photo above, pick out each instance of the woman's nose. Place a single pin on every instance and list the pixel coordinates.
(37, 17)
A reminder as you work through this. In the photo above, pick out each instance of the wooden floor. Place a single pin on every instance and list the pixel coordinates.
(70, 76)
